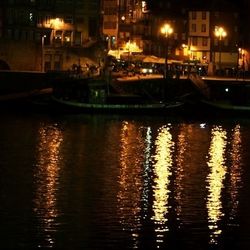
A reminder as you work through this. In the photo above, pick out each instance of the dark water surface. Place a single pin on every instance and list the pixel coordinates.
(110, 182)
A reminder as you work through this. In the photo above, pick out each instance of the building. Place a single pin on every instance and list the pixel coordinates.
(194, 24)
(48, 35)
(110, 16)
(199, 42)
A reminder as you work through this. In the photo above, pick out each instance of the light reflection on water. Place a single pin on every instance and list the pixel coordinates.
(222, 164)
(130, 178)
(215, 181)
(168, 161)
(46, 178)
(162, 167)
(164, 185)
(235, 173)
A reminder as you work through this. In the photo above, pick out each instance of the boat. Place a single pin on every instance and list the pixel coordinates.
(222, 96)
(97, 96)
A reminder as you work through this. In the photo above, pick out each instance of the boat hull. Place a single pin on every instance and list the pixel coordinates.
(221, 108)
(142, 108)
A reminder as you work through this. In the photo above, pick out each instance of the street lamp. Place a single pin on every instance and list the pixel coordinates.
(221, 34)
(42, 55)
(166, 30)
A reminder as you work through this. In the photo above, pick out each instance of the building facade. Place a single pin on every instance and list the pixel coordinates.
(47, 35)
(199, 42)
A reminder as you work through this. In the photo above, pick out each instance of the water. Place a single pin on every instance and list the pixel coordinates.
(110, 182)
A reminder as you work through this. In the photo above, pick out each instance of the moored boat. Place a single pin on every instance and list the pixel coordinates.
(224, 97)
(96, 95)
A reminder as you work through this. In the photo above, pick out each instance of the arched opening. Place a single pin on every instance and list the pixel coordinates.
(4, 65)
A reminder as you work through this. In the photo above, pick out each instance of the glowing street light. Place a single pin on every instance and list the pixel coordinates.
(221, 34)
(166, 30)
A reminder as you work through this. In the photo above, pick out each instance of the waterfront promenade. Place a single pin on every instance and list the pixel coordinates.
(38, 85)
(159, 76)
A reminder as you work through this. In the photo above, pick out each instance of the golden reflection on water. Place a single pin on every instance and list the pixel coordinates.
(130, 178)
(181, 147)
(46, 176)
(162, 170)
(146, 173)
(235, 171)
(215, 180)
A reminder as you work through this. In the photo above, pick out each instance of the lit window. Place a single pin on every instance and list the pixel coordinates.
(67, 36)
(144, 7)
(31, 17)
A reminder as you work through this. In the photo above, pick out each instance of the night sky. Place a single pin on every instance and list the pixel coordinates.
(196, 4)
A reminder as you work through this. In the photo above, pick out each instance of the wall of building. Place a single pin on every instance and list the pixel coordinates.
(23, 56)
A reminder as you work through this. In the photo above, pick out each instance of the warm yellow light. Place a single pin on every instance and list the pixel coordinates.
(132, 47)
(215, 180)
(56, 23)
(167, 30)
(220, 32)
(162, 168)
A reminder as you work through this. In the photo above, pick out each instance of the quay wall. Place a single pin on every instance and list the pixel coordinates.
(21, 81)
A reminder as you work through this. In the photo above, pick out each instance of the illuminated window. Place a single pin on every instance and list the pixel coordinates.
(204, 55)
(144, 7)
(58, 36)
(67, 37)
(31, 17)
(121, 35)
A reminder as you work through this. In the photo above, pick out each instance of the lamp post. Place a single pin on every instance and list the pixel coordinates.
(166, 30)
(42, 55)
(220, 33)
